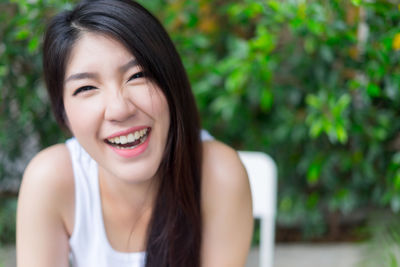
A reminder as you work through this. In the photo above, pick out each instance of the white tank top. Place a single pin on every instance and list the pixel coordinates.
(89, 245)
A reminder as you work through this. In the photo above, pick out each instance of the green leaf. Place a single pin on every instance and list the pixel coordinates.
(313, 101)
(255, 9)
(356, 2)
(286, 204)
(235, 80)
(312, 200)
(235, 10)
(22, 34)
(264, 40)
(340, 106)
(341, 134)
(314, 171)
(373, 90)
(274, 5)
(393, 260)
(396, 180)
(310, 45)
(343, 102)
(33, 44)
(316, 128)
(266, 100)
(3, 70)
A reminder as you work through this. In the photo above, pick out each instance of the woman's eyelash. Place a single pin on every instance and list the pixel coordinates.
(136, 76)
(88, 87)
(82, 89)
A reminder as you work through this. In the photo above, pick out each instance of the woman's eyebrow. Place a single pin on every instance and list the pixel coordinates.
(124, 68)
(91, 75)
(82, 75)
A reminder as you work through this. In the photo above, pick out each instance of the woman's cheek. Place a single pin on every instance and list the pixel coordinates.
(83, 114)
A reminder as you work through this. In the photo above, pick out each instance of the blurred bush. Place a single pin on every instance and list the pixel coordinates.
(383, 248)
(7, 220)
(26, 121)
(313, 83)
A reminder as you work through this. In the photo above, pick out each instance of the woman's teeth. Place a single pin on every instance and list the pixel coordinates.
(129, 141)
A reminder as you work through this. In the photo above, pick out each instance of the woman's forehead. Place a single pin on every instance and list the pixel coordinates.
(92, 49)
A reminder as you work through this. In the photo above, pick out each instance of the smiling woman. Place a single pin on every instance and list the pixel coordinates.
(107, 100)
(136, 185)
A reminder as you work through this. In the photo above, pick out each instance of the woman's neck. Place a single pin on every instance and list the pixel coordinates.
(127, 195)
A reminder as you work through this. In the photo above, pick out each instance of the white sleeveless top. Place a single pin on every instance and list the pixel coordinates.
(89, 245)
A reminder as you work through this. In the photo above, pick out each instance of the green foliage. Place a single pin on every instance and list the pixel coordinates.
(7, 220)
(313, 83)
(384, 247)
(25, 117)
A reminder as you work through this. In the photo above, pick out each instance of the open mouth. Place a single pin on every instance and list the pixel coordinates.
(129, 141)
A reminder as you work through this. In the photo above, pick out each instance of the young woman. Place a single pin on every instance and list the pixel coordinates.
(138, 184)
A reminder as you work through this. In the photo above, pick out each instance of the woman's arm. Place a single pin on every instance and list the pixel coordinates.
(44, 200)
(226, 206)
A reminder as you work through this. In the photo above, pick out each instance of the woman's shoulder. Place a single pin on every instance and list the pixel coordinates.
(222, 173)
(45, 202)
(222, 165)
(48, 178)
(226, 207)
(49, 164)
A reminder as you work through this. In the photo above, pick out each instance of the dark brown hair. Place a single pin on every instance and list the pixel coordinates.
(174, 235)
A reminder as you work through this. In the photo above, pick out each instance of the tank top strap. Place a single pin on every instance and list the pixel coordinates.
(205, 135)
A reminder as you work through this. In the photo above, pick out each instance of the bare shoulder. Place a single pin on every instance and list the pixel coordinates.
(48, 178)
(222, 168)
(44, 161)
(226, 207)
(46, 199)
(49, 170)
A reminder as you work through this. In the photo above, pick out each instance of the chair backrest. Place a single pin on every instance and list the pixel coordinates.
(262, 173)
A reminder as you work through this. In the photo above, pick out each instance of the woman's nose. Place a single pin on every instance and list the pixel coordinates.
(119, 107)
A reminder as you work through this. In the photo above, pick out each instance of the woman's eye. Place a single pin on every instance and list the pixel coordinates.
(136, 76)
(83, 89)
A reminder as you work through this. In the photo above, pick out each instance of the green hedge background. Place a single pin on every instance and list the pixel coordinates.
(315, 84)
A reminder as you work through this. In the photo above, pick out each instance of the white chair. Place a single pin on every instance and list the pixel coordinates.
(262, 173)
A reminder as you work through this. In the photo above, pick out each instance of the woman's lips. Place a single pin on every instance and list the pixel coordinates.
(126, 132)
(131, 144)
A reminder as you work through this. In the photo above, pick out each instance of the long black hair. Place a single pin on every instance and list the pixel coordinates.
(174, 235)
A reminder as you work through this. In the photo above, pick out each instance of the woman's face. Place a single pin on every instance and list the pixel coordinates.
(118, 116)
